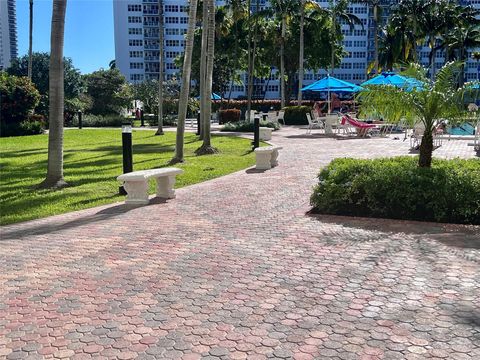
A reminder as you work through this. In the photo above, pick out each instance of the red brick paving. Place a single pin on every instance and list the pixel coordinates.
(234, 269)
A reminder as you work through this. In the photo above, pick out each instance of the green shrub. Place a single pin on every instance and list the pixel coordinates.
(228, 116)
(295, 115)
(90, 120)
(168, 120)
(397, 188)
(244, 126)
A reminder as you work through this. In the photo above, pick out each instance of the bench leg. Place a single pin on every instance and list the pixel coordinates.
(274, 157)
(263, 161)
(137, 192)
(165, 187)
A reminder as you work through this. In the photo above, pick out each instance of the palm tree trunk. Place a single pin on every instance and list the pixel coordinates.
(249, 61)
(206, 147)
(30, 42)
(432, 57)
(426, 148)
(204, 96)
(282, 62)
(54, 177)
(333, 46)
(185, 90)
(301, 56)
(160, 69)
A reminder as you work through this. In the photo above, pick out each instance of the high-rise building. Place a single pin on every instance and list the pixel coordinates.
(137, 44)
(8, 33)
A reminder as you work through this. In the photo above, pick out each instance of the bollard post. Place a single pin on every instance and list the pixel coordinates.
(127, 152)
(198, 122)
(79, 119)
(256, 132)
(142, 118)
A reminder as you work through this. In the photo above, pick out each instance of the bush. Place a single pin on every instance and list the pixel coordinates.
(168, 120)
(228, 116)
(397, 188)
(295, 115)
(244, 126)
(90, 120)
(18, 98)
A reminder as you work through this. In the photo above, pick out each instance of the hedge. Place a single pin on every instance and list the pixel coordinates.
(229, 115)
(295, 115)
(89, 120)
(397, 188)
(245, 126)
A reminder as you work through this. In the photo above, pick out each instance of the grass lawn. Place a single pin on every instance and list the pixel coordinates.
(93, 160)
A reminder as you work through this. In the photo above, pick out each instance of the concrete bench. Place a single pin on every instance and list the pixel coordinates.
(265, 133)
(136, 184)
(266, 157)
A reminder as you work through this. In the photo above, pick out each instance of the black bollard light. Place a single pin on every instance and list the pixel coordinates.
(142, 118)
(198, 122)
(256, 131)
(127, 152)
(79, 119)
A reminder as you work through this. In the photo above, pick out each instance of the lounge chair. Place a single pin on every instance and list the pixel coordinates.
(314, 123)
(360, 128)
(417, 135)
(281, 116)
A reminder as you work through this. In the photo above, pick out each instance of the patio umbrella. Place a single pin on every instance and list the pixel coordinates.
(391, 78)
(331, 84)
(213, 97)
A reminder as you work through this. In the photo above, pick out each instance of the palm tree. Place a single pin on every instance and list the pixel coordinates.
(54, 178)
(185, 89)
(435, 100)
(476, 57)
(30, 42)
(112, 64)
(206, 82)
(301, 52)
(160, 68)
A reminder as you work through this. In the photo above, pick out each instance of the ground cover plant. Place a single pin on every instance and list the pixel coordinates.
(93, 160)
(397, 188)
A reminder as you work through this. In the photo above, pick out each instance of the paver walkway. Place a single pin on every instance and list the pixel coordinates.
(234, 269)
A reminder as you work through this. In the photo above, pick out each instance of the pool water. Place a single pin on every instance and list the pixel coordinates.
(464, 129)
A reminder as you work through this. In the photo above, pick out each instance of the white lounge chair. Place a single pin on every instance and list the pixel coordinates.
(417, 135)
(313, 123)
(281, 116)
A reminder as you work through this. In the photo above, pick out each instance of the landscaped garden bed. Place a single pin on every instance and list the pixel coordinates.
(397, 188)
(93, 160)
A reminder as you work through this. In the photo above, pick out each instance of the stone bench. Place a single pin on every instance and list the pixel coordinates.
(265, 133)
(136, 184)
(266, 157)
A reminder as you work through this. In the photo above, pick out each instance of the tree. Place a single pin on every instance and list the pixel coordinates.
(375, 5)
(435, 100)
(30, 40)
(160, 68)
(112, 64)
(301, 52)
(54, 178)
(476, 57)
(185, 90)
(109, 90)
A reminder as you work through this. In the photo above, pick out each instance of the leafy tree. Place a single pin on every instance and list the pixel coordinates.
(435, 100)
(109, 90)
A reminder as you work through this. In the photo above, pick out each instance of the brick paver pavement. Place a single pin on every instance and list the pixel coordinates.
(234, 268)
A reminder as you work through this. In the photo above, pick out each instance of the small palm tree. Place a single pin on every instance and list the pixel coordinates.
(433, 101)
(185, 89)
(54, 177)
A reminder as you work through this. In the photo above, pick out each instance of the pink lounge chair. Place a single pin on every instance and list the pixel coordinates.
(361, 128)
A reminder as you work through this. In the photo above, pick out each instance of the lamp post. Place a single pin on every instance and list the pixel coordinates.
(198, 123)
(256, 131)
(79, 119)
(127, 152)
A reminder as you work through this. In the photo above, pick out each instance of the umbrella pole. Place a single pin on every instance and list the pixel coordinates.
(329, 102)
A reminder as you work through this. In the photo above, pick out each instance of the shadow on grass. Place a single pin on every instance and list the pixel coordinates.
(454, 235)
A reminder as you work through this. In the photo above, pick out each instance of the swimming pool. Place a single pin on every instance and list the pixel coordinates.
(464, 129)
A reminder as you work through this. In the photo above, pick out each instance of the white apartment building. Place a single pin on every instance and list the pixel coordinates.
(8, 33)
(137, 45)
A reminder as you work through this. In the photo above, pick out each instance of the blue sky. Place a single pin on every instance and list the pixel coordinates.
(89, 37)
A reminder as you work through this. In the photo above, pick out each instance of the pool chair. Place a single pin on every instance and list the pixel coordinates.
(314, 123)
(417, 135)
(476, 139)
(357, 127)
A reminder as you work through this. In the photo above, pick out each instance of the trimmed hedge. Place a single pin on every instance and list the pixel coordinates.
(295, 115)
(245, 126)
(229, 115)
(397, 188)
(90, 120)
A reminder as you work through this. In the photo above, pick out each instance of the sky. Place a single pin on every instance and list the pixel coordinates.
(89, 37)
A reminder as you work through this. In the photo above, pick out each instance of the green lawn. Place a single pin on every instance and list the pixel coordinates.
(93, 160)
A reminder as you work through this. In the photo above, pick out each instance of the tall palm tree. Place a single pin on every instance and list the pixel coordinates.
(435, 100)
(30, 42)
(301, 52)
(185, 89)
(160, 68)
(376, 19)
(209, 29)
(54, 178)
(204, 98)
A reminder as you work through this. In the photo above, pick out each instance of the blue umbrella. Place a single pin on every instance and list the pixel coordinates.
(213, 97)
(331, 84)
(390, 78)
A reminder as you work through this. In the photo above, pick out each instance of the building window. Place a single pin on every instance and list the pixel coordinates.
(171, 20)
(134, 19)
(136, 65)
(135, 42)
(136, 77)
(171, 66)
(171, 8)
(134, 31)
(172, 42)
(270, 88)
(135, 54)
(184, 20)
(134, 7)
